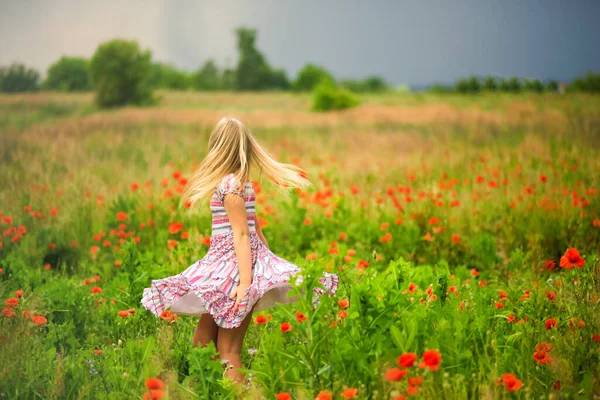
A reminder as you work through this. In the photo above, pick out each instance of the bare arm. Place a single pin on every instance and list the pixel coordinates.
(236, 211)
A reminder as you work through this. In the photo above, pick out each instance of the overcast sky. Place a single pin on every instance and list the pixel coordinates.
(404, 41)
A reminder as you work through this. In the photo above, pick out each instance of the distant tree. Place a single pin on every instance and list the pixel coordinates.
(490, 84)
(278, 79)
(69, 74)
(534, 85)
(18, 78)
(208, 77)
(371, 84)
(120, 74)
(252, 71)
(474, 84)
(462, 86)
(310, 76)
(514, 85)
(590, 83)
(440, 88)
(228, 79)
(552, 86)
(166, 76)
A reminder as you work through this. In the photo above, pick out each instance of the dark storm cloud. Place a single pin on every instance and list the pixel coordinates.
(404, 41)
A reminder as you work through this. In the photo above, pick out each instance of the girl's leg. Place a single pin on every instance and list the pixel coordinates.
(230, 343)
(206, 331)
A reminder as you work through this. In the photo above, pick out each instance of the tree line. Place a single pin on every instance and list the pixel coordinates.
(474, 84)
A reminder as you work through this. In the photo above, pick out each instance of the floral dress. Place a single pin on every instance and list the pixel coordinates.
(206, 285)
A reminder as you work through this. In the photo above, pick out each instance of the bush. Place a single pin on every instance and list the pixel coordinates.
(589, 83)
(372, 84)
(328, 96)
(207, 77)
(310, 76)
(120, 74)
(69, 74)
(166, 76)
(18, 78)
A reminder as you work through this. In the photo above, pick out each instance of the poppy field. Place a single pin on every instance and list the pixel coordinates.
(465, 232)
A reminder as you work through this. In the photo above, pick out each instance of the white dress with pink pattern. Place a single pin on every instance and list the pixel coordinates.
(206, 285)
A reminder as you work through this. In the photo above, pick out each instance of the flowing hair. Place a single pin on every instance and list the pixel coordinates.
(233, 150)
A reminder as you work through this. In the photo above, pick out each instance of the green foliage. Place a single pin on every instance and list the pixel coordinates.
(69, 74)
(327, 96)
(253, 72)
(534, 85)
(166, 76)
(552, 86)
(18, 78)
(207, 77)
(590, 83)
(120, 74)
(490, 84)
(310, 76)
(372, 84)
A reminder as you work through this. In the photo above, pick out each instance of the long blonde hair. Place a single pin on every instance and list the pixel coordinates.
(233, 150)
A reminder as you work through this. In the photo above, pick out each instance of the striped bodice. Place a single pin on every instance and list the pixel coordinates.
(220, 220)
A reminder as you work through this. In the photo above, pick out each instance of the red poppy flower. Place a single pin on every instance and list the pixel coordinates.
(324, 395)
(285, 327)
(39, 320)
(283, 396)
(154, 384)
(431, 360)
(571, 259)
(8, 312)
(395, 374)
(343, 303)
(300, 317)
(260, 320)
(121, 216)
(407, 360)
(541, 355)
(499, 305)
(350, 393)
(175, 227)
(96, 290)
(19, 293)
(123, 314)
(171, 244)
(12, 302)
(511, 382)
(551, 323)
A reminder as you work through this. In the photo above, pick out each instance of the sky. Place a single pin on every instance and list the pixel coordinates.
(405, 42)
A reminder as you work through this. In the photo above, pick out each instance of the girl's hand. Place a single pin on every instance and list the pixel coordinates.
(239, 294)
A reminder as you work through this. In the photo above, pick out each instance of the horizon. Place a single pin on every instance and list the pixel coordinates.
(546, 41)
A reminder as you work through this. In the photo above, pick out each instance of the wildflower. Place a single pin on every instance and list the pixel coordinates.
(8, 312)
(121, 216)
(395, 374)
(511, 382)
(283, 396)
(455, 238)
(551, 323)
(96, 290)
(541, 355)
(19, 293)
(571, 259)
(350, 393)
(300, 317)
(260, 320)
(171, 244)
(324, 395)
(343, 303)
(98, 352)
(549, 265)
(499, 305)
(431, 360)
(285, 327)
(12, 302)
(342, 314)
(123, 314)
(154, 384)
(39, 320)
(407, 360)
(175, 227)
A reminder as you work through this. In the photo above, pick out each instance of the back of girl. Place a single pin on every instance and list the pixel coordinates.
(239, 275)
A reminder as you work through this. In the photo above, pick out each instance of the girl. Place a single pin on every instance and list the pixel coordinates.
(239, 274)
